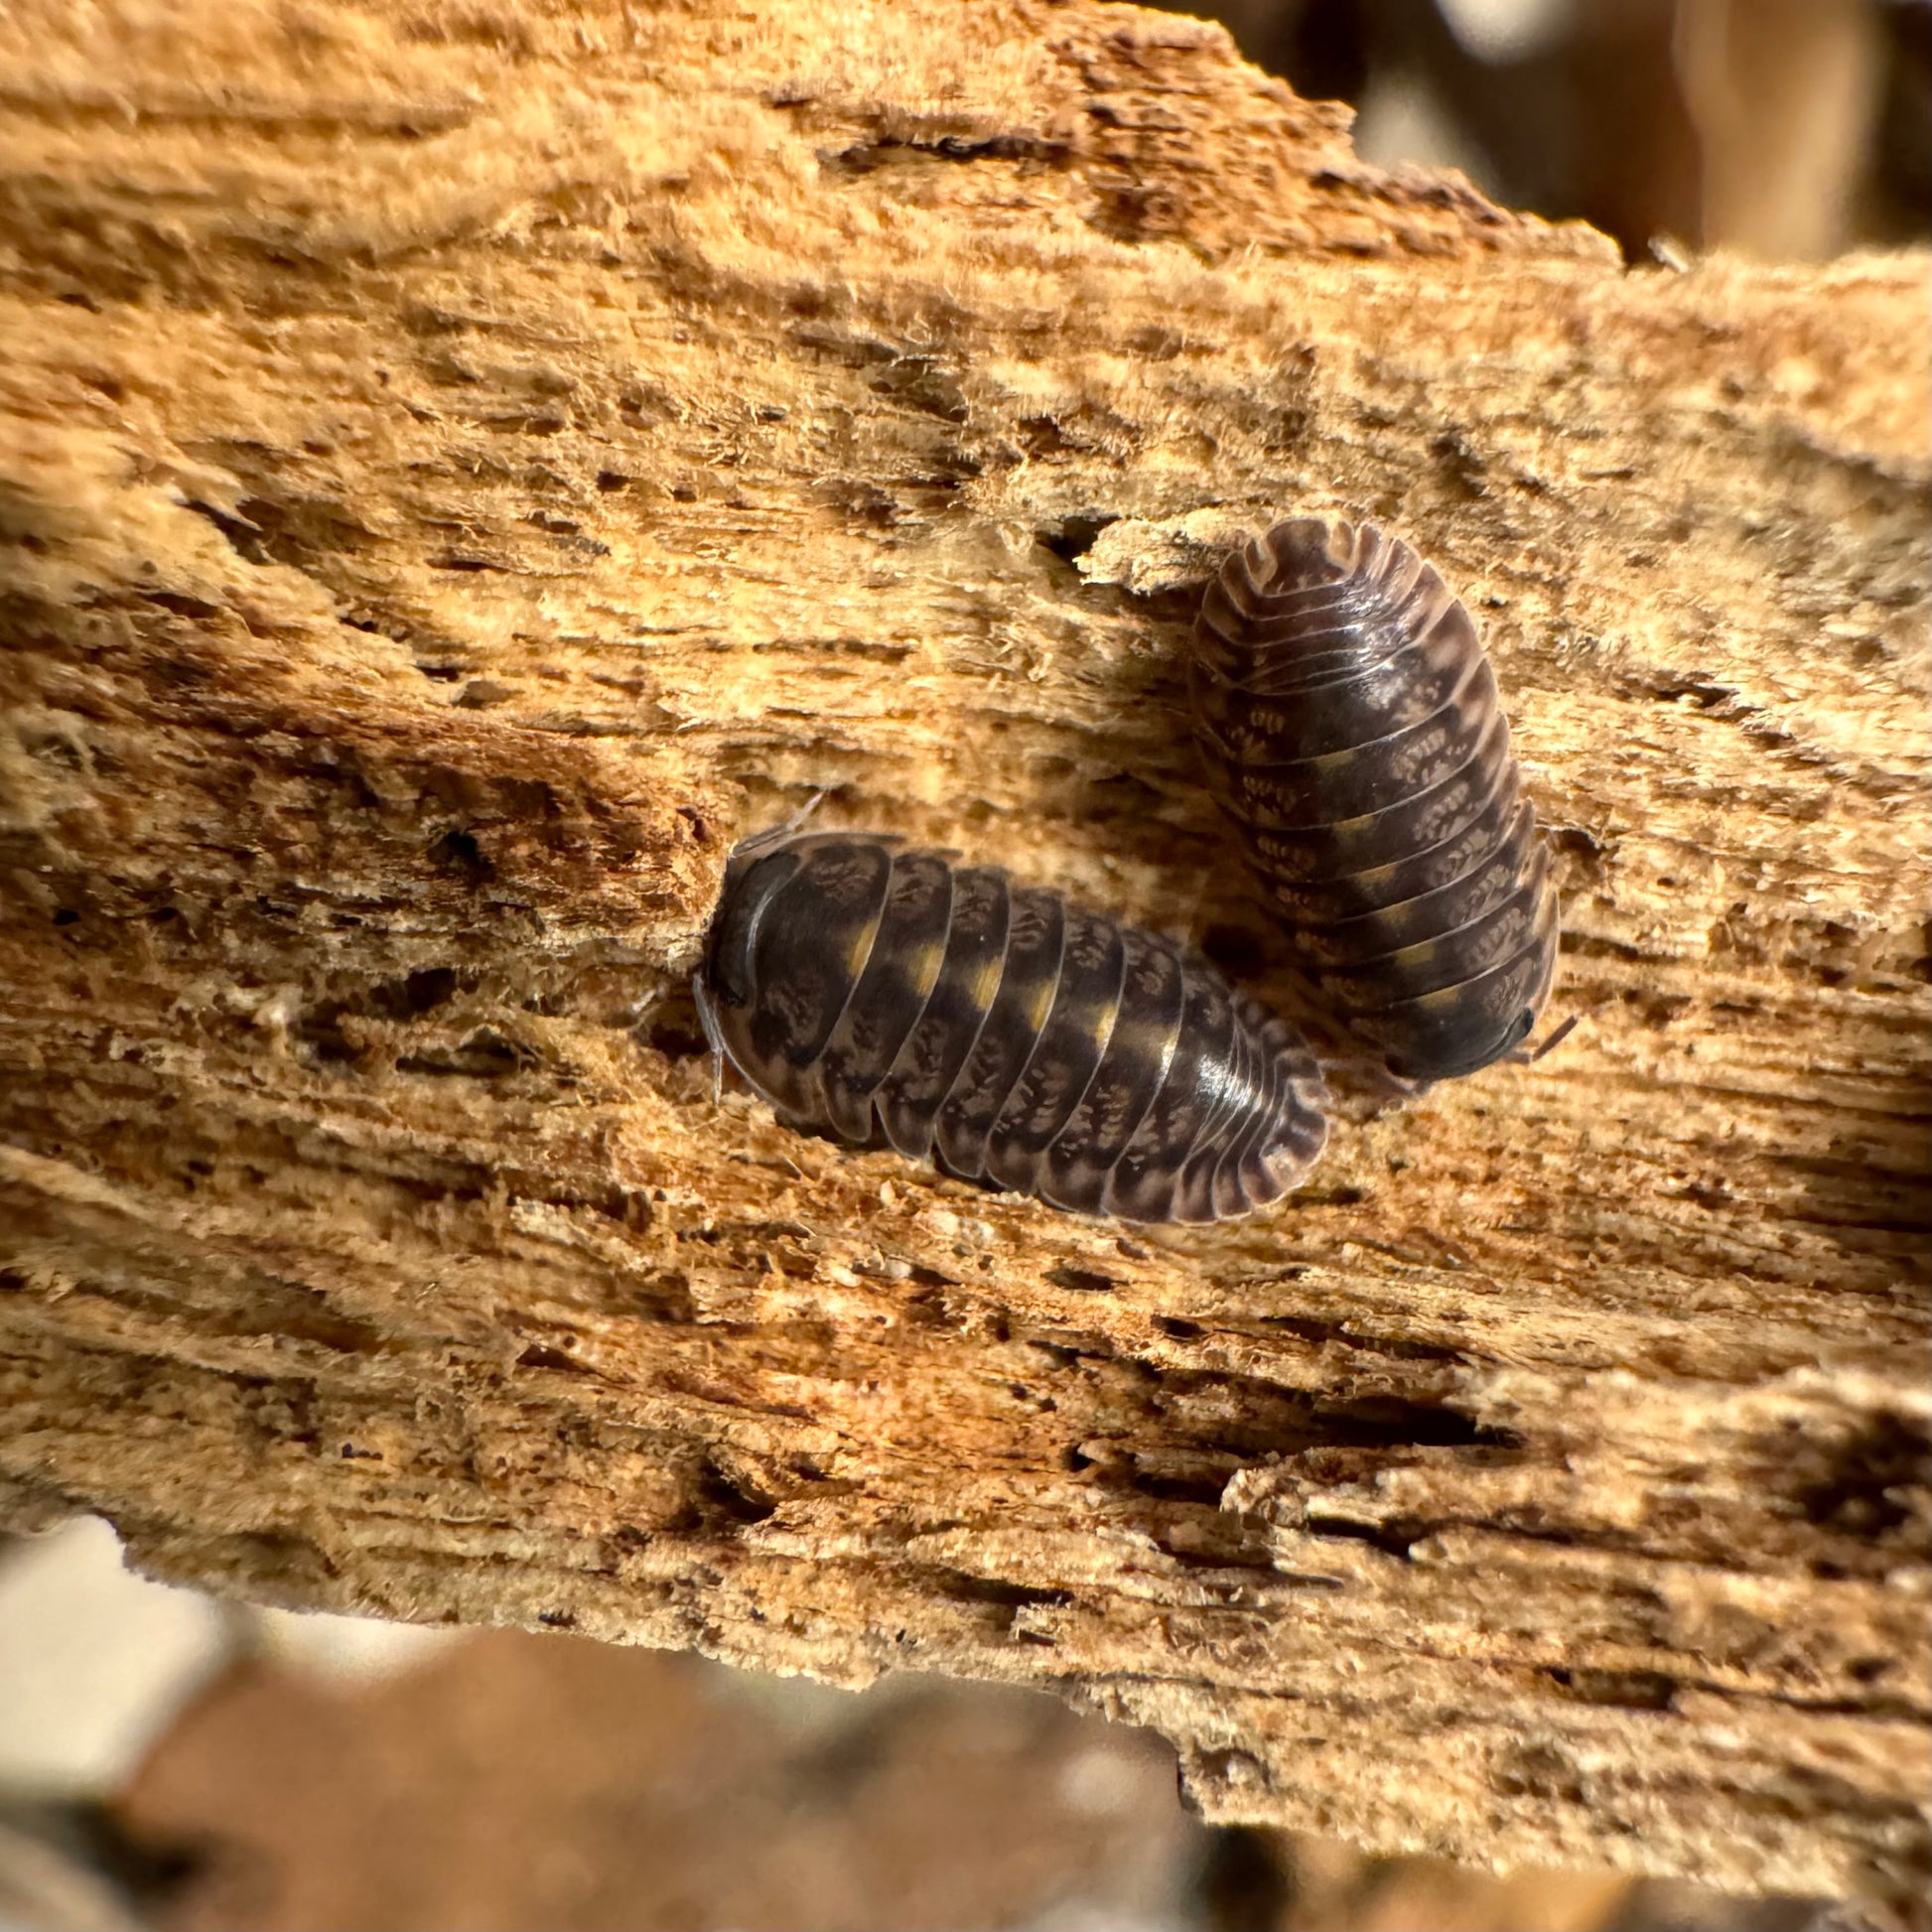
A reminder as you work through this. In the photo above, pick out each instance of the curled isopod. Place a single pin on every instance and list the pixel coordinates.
(1352, 730)
(892, 997)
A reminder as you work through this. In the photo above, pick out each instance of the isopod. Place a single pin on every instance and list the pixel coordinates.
(1352, 730)
(896, 998)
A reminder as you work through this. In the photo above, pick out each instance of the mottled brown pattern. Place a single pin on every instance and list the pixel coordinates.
(1353, 732)
(889, 997)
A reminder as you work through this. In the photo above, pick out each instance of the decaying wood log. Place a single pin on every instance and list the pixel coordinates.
(464, 467)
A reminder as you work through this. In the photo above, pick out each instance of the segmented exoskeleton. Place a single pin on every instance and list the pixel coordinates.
(893, 997)
(1352, 730)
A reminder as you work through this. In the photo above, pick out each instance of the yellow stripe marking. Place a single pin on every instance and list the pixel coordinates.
(862, 942)
(1103, 1024)
(926, 964)
(986, 983)
(1039, 1004)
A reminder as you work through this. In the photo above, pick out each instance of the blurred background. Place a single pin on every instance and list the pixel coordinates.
(1792, 129)
(169, 1761)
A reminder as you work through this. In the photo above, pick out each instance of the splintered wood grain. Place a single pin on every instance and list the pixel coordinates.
(461, 470)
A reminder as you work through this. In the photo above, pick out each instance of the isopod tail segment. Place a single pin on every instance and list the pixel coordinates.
(1352, 730)
(891, 997)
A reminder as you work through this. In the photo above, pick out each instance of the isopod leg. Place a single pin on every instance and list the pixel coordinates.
(776, 835)
(1529, 1056)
